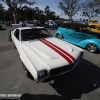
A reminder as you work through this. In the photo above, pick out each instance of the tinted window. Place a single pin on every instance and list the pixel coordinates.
(93, 26)
(17, 33)
(31, 34)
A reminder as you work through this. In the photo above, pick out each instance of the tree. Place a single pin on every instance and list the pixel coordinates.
(90, 9)
(69, 7)
(15, 4)
(97, 4)
(47, 12)
(8, 15)
(2, 10)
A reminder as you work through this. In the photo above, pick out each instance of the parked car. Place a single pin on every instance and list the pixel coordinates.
(50, 24)
(79, 35)
(43, 55)
(95, 27)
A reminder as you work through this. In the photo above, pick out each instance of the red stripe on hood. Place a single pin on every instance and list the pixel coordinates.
(64, 56)
(61, 50)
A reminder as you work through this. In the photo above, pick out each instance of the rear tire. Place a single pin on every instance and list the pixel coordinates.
(92, 48)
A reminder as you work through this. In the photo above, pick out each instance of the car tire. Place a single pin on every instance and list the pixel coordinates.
(58, 36)
(27, 73)
(92, 48)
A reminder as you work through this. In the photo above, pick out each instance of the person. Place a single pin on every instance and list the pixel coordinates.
(23, 24)
(38, 34)
(20, 22)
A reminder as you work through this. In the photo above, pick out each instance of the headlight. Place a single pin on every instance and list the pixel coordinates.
(42, 74)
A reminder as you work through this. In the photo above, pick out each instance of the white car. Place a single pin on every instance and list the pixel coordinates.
(43, 55)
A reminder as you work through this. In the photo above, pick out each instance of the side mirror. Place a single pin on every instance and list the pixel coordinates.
(9, 39)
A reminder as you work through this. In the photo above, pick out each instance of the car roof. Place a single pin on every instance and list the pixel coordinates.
(22, 28)
(28, 26)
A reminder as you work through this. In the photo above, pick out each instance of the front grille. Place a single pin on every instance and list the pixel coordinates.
(61, 70)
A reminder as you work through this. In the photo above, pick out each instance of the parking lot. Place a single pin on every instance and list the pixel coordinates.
(83, 83)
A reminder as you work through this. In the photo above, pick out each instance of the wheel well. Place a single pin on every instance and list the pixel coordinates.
(29, 74)
(60, 35)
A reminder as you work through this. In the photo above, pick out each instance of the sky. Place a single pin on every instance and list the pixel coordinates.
(51, 3)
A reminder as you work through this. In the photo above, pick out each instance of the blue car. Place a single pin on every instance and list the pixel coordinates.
(74, 33)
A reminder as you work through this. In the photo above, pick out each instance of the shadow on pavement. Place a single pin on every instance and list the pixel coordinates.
(28, 96)
(84, 78)
(8, 99)
(39, 97)
(3, 29)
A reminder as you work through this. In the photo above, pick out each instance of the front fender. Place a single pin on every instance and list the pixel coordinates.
(29, 66)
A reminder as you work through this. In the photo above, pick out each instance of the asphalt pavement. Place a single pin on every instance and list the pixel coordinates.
(83, 83)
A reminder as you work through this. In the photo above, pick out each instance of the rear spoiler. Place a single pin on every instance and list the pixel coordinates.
(14, 26)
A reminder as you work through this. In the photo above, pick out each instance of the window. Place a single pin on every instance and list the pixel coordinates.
(17, 33)
(95, 21)
(31, 34)
(93, 26)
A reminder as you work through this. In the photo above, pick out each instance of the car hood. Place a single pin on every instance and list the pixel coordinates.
(51, 50)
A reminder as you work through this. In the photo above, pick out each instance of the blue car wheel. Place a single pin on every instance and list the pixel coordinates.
(58, 36)
(92, 48)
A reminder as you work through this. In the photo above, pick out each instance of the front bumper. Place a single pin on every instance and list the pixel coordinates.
(61, 70)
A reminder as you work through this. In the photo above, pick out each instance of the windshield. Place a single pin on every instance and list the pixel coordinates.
(93, 26)
(31, 34)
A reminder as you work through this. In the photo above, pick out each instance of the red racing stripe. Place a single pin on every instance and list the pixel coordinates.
(61, 50)
(64, 56)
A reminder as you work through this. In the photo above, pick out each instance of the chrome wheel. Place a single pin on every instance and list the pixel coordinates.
(92, 48)
(58, 36)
